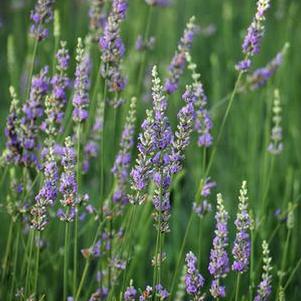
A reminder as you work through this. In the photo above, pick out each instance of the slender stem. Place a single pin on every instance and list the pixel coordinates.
(86, 268)
(252, 275)
(31, 67)
(66, 252)
(7, 251)
(289, 280)
(237, 286)
(29, 261)
(37, 263)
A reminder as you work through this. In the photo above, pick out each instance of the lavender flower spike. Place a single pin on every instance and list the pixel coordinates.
(13, 148)
(252, 42)
(68, 184)
(241, 249)
(276, 146)
(123, 158)
(261, 75)
(97, 17)
(41, 15)
(130, 293)
(178, 62)
(265, 287)
(113, 48)
(219, 261)
(194, 281)
(80, 99)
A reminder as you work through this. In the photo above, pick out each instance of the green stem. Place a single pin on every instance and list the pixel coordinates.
(37, 264)
(31, 238)
(31, 67)
(86, 268)
(237, 286)
(252, 274)
(289, 280)
(66, 252)
(7, 251)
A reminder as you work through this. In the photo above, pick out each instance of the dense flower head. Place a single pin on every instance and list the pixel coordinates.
(123, 159)
(47, 194)
(33, 110)
(154, 158)
(41, 15)
(80, 99)
(91, 149)
(179, 61)
(203, 122)
(13, 147)
(276, 146)
(113, 48)
(159, 291)
(265, 286)
(97, 17)
(219, 260)
(241, 249)
(130, 293)
(194, 281)
(68, 183)
(252, 41)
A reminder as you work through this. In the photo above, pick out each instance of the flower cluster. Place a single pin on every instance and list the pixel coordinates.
(41, 15)
(33, 110)
(241, 249)
(80, 99)
(252, 42)
(91, 148)
(123, 159)
(47, 193)
(130, 293)
(97, 17)
(142, 45)
(265, 287)
(68, 184)
(178, 62)
(260, 76)
(13, 145)
(219, 260)
(194, 281)
(276, 146)
(154, 159)
(113, 48)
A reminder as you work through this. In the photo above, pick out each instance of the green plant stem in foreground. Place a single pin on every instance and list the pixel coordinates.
(66, 257)
(237, 287)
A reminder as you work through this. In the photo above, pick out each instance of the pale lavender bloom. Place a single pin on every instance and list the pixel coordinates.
(40, 16)
(208, 185)
(123, 158)
(276, 146)
(97, 17)
(178, 63)
(252, 41)
(264, 289)
(68, 183)
(194, 281)
(13, 146)
(242, 245)
(219, 260)
(202, 208)
(80, 99)
(161, 292)
(142, 45)
(130, 293)
(33, 110)
(113, 48)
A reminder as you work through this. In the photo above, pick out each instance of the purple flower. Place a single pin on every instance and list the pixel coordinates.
(276, 146)
(13, 145)
(265, 286)
(33, 110)
(41, 15)
(261, 75)
(97, 17)
(178, 62)
(142, 45)
(162, 293)
(123, 158)
(113, 48)
(80, 99)
(252, 41)
(241, 249)
(68, 184)
(130, 293)
(202, 208)
(194, 281)
(219, 261)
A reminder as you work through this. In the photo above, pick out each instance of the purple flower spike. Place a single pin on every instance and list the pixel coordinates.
(41, 15)
(265, 286)
(80, 99)
(241, 249)
(179, 61)
(219, 261)
(130, 293)
(113, 48)
(194, 281)
(123, 158)
(97, 17)
(252, 42)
